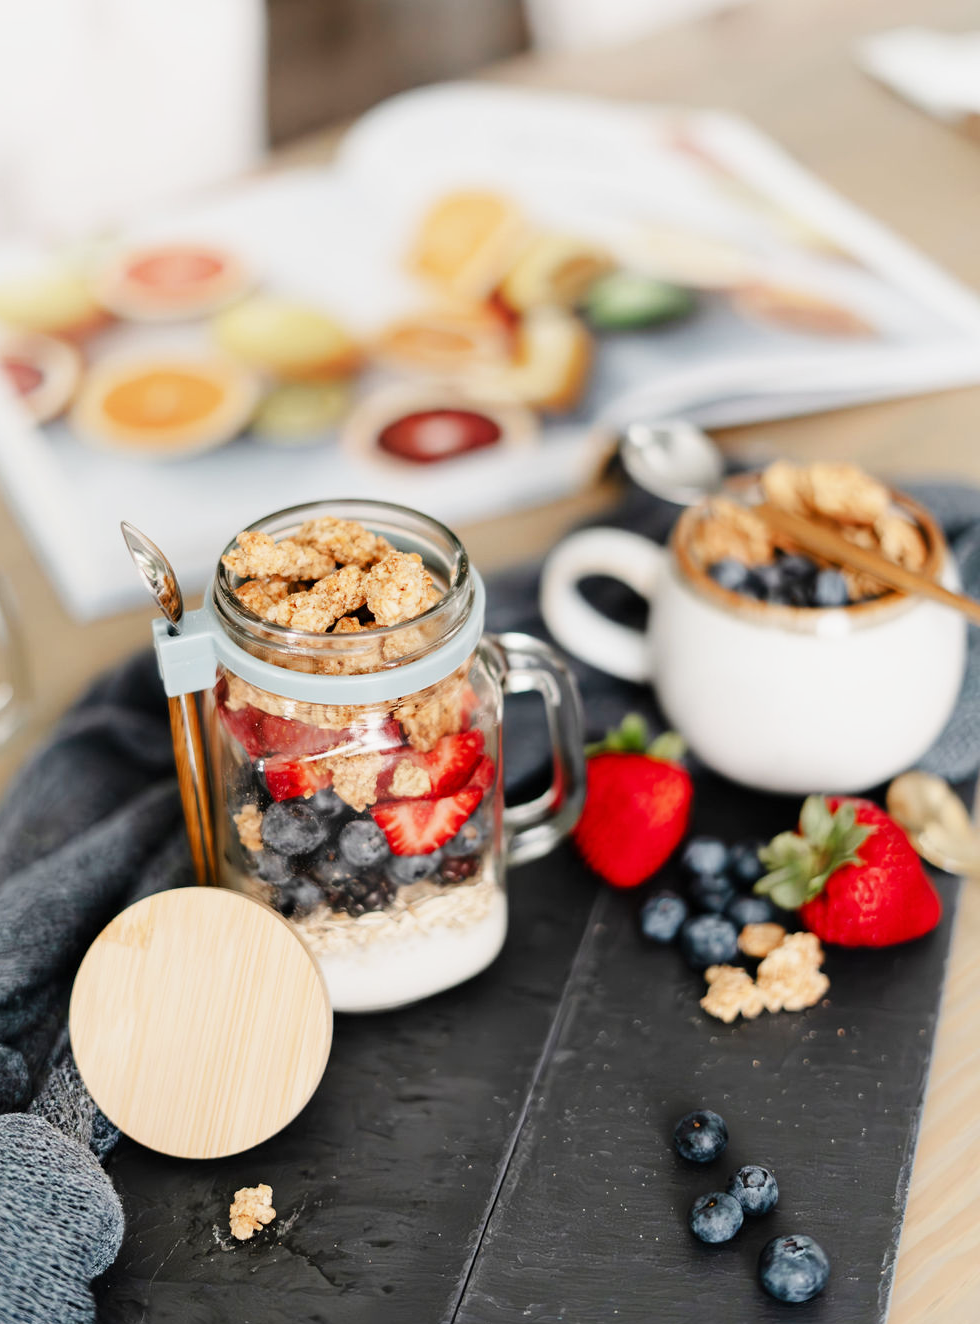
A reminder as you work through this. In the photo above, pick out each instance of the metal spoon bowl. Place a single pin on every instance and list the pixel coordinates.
(156, 573)
(672, 459)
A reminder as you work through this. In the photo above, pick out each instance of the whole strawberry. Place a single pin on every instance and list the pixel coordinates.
(852, 874)
(637, 804)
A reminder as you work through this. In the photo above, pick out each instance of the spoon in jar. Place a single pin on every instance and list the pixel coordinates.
(158, 575)
(937, 822)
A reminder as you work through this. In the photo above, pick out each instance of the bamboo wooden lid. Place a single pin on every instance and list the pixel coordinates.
(200, 1023)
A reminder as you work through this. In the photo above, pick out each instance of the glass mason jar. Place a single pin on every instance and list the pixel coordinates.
(356, 779)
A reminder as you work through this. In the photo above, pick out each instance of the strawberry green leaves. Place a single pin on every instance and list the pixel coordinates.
(798, 864)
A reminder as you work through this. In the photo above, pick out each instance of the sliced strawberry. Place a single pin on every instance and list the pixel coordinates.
(418, 827)
(286, 736)
(286, 778)
(245, 725)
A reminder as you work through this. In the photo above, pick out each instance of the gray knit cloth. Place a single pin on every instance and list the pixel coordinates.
(93, 823)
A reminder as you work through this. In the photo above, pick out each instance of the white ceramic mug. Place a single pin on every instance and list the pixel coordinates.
(782, 698)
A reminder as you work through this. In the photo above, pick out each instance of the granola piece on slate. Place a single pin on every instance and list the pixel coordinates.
(252, 1209)
(760, 939)
(731, 992)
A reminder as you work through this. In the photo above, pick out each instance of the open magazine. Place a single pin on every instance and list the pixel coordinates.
(775, 298)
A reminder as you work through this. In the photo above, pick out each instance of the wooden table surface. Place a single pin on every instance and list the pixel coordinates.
(788, 67)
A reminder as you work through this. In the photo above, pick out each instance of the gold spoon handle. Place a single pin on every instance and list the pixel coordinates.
(825, 542)
(192, 779)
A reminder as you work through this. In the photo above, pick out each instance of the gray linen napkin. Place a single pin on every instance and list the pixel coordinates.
(93, 823)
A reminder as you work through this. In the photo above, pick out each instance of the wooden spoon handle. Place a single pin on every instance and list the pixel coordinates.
(825, 542)
(185, 727)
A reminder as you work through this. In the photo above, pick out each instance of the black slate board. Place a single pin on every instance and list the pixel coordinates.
(502, 1151)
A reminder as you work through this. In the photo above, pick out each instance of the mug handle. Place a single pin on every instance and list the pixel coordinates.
(578, 627)
(533, 828)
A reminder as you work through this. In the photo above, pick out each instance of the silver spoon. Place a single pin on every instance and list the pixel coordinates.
(937, 822)
(672, 459)
(158, 575)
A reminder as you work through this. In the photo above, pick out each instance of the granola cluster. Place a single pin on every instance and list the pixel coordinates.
(789, 977)
(252, 1209)
(838, 495)
(329, 570)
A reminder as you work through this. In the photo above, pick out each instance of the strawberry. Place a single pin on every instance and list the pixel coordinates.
(449, 764)
(418, 827)
(286, 778)
(853, 875)
(637, 804)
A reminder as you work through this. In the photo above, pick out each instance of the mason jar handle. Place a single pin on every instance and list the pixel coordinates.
(534, 827)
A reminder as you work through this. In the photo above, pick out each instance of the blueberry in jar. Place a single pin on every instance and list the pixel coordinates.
(715, 1217)
(272, 868)
(329, 871)
(700, 1136)
(470, 838)
(662, 915)
(327, 804)
(297, 897)
(292, 827)
(457, 868)
(403, 869)
(362, 843)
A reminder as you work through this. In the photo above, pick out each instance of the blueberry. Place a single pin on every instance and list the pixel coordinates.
(705, 855)
(272, 868)
(709, 940)
(297, 897)
(328, 871)
(830, 589)
(710, 894)
(754, 1188)
(700, 1136)
(292, 827)
(662, 915)
(771, 578)
(470, 838)
(754, 587)
(327, 803)
(796, 568)
(362, 843)
(413, 868)
(729, 573)
(793, 1268)
(742, 910)
(744, 866)
(715, 1217)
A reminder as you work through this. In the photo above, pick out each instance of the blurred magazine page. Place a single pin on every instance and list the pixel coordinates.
(794, 301)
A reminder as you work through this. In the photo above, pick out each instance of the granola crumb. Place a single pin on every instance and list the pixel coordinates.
(731, 992)
(355, 777)
(730, 530)
(790, 978)
(410, 780)
(259, 556)
(841, 491)
(248, 821)
(397, 588)
(252, 1209)
(760, 939)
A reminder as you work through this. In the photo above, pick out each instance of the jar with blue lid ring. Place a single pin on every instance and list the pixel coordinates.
(356, 766)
